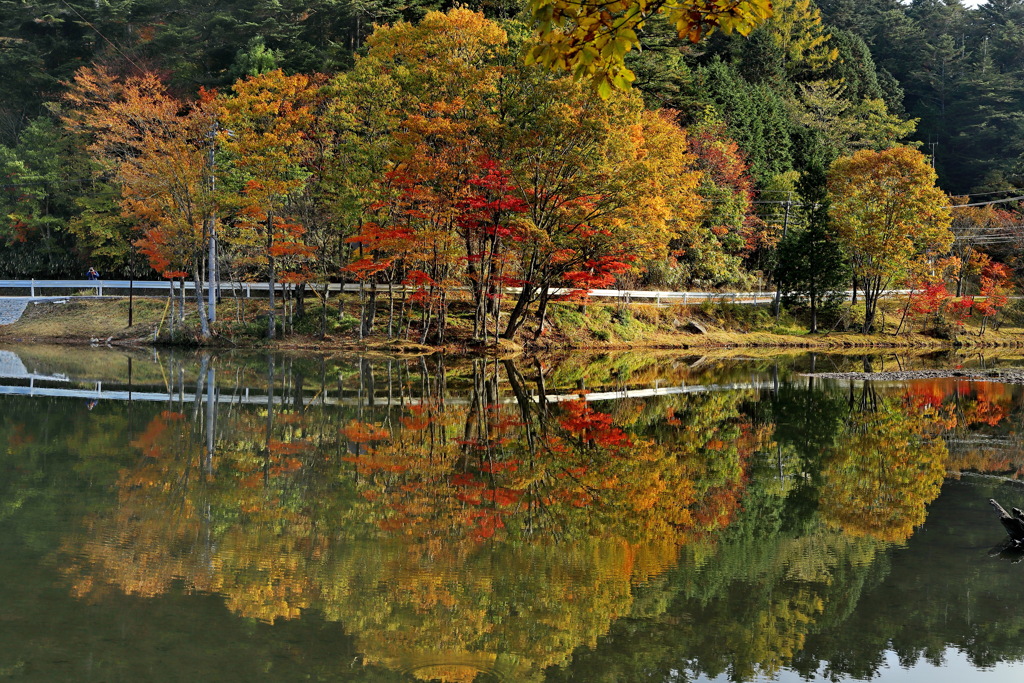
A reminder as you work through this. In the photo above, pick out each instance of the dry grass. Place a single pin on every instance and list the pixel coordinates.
(83, 320)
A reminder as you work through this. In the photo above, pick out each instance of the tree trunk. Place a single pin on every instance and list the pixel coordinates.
(426, 321)
(476, 284)
(542, 311)
(323, 312)
(300, 299)
(271, 279)
(872, 290)
(369, 312)
(181, 301)
(903, 318)
(204, 320)
(170, 302)
(391, 308)
(518, 315)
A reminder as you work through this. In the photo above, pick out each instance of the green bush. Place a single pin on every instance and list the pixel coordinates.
(622, 315)
(309, 323)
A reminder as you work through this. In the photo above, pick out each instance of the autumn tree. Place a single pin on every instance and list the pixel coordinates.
(440, 76)
(505, 174)
(796, 28)
(266, 123)
(711, 254)
(155, 146)
(889, 214)
(602, 195)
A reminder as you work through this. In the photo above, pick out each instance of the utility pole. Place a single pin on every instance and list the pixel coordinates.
(777, 306)
(211, 230)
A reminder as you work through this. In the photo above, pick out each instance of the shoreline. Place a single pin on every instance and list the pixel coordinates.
(102, 323)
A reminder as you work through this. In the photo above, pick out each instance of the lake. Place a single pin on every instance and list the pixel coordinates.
(178, 516)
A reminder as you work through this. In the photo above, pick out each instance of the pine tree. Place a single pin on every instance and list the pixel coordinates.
(812, 268)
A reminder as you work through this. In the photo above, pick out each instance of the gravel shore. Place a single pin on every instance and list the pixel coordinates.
(1006, 375)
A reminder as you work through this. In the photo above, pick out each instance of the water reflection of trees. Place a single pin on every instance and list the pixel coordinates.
(453, 520)
(436, 527)
(829, 599)
(888, 463)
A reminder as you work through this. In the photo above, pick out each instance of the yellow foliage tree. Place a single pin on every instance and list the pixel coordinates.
(889, 215)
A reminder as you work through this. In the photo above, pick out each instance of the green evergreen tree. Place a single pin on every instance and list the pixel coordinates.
(43, 177)
(812, 267)
(755, 115)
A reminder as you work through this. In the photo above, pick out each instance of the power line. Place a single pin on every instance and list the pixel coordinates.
(989, 203)
(100, 34)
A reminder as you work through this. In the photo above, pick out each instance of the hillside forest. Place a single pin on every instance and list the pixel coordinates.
(442, 154)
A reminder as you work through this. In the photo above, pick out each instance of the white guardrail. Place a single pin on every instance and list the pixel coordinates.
(44, 289)
(35, 289)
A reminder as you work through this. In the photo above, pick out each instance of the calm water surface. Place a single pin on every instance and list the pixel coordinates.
(186, 517)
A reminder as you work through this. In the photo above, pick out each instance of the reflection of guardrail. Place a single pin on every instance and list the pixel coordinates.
(107, 287)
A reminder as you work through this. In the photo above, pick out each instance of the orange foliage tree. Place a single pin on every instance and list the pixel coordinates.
(584, 188)
(155, 145)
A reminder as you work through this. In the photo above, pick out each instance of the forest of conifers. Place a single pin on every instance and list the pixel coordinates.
(416, 144)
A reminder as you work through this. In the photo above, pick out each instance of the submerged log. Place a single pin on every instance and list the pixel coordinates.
(1013, 524)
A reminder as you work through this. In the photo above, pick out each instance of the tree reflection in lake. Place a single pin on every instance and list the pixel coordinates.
(395, 521)
(486, 517)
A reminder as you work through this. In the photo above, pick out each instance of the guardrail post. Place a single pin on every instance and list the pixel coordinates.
(99, 287)
(684, 298)
(32, 288)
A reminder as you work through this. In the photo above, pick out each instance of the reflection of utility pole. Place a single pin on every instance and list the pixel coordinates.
(211, 231)
(211, 416)
(776, 307)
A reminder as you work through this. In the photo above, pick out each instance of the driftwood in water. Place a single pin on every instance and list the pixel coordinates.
(1014, 524)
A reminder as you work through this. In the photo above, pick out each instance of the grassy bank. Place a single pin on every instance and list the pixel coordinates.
(597, 326)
